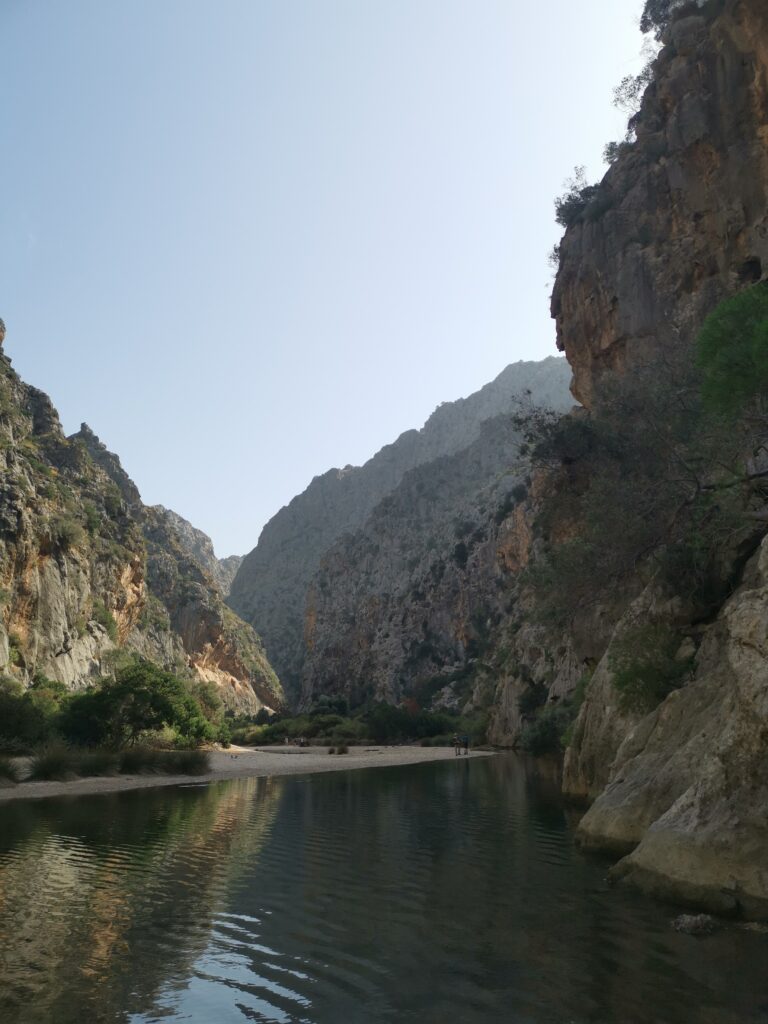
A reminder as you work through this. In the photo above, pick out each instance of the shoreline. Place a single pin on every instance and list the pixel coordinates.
(242, 763)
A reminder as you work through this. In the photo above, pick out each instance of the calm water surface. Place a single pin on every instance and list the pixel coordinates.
(431, 894)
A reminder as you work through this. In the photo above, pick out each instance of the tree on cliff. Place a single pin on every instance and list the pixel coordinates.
(656, 483)
(657, 14)
(732, 353)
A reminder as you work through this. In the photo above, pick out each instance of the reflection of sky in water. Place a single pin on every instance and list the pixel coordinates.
(427, 894)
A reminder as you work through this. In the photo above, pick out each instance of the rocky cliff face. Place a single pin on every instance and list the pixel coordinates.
(679, 223)
(199, 547)
(408, 604)
(270, 589)
(681, 219)
(86, 570)
(426, 597)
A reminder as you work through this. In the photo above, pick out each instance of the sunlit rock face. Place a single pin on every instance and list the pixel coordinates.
(275, 581)
(87, 570)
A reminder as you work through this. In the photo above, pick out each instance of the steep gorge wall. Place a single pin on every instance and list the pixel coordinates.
(681, 219)
(80, 573)
(679, 223)
(407, 604)
(271, 587)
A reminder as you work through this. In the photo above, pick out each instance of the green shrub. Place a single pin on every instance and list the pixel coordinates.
(657, 14)
(145, 760)
(141, 760)
(331, 750)
(461, 554)
(645, 666)
(653, 470)
(574, 201)
(442, 740)
(65, 533)
(326, 704)
(532, 697)
(55, 762)
(92, 517)
(8, 770)
(549, 728)
(97, 762)
(27, 718)
(141, 698)
(342, 748)
(105, 618)
(15, 654)
(155, 615)
(185, 762)
(543, 735)
(732, 351)
(113, 501)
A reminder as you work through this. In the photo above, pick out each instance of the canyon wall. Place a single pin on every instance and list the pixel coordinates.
(87, 571)
(679, 223)
(272, 585)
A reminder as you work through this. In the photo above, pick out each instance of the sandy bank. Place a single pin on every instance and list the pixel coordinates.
(243, 762)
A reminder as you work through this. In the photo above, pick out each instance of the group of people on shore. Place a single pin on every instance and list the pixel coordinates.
(460, 743)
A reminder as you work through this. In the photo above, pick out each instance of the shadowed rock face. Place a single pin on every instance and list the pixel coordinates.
(270, 589)
(681, 219)
(85, 568)
(418, 601)
(679, 223)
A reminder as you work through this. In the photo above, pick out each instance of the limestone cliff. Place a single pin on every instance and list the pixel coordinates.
(679, 222)
(426, 597)
(408, 604)
(199, 547)
(270, 589)
(681, 219)
(80, 569)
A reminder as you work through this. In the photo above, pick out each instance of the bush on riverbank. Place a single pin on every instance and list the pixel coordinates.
(376, 723)
(60, 763)
(8, 771)
(139, 702)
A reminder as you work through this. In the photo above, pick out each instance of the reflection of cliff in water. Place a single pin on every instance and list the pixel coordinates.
(105, 900)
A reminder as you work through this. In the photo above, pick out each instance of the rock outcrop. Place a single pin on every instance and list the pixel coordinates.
(685, 788)
(408, 604)
(199, 547)
(271, 587)
(86, 569)
(679, 223)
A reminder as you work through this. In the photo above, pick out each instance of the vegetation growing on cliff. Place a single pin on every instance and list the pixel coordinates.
(657, 14)
(732, 354)
(647, 665)
(577, 195)
(548, 727)
(658, 483)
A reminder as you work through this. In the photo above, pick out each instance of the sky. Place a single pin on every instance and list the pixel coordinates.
(249, 240)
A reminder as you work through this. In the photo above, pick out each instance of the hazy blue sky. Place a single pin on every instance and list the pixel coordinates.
(247, 240)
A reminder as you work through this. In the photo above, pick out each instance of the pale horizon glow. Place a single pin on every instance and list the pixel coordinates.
(250, 241)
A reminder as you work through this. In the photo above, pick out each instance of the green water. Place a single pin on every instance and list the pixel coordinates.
(438, 893)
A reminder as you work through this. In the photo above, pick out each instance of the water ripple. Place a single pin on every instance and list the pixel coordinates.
(430, 894)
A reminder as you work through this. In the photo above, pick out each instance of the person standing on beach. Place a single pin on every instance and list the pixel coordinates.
(465, 743)
(456, 744)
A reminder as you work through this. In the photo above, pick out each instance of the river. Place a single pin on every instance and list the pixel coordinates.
(431, 894)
